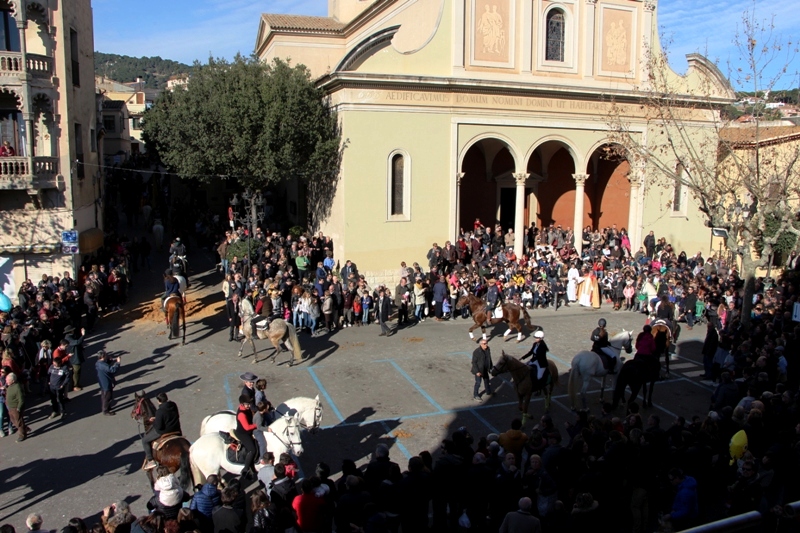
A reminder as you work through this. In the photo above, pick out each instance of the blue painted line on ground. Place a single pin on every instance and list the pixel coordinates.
(227, 386)
(397, 442)
(417, 386)
(483, 421)
(325, 394)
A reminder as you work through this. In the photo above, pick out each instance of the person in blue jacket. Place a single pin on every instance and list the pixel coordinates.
(685, 507)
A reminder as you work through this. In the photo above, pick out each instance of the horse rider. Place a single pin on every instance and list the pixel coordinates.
(600, 344)
(177, 253)
(493, 297)
(167, 420)
(244, 433)
(665, 311)
(263, 311)
(171, 286)
(645, 342)
(246, 312)
(538, 362)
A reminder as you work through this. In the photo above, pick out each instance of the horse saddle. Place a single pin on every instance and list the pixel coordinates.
(263, 324)
(165, 438)
(234, 451)
(170, 297)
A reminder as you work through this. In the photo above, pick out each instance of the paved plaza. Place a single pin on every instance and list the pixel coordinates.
(409, 391)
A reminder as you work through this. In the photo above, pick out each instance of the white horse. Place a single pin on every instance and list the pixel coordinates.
(208, 455)
(158, 233)
(308, 411)
(587, 364)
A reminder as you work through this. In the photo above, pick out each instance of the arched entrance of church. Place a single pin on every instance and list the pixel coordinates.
(552, 166)
(608, 188)
(486, 168)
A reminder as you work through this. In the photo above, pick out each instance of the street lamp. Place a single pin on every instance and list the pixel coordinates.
(254, 214)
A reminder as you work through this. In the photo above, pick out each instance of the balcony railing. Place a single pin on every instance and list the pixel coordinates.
(15, 172)
(11, 63)
(40, 66)
(14, 168)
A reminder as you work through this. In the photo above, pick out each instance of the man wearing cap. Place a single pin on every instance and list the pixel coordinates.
(600, 341)
(538, 362)
(481, 364)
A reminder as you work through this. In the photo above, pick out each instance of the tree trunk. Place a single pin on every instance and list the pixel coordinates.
(749, 267)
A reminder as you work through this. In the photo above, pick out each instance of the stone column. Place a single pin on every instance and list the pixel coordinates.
(636, 178)
(577, 221)
(27, 113)
(519, 214)
(459, 177)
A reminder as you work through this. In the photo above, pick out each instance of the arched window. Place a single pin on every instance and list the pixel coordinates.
(554, 48)
(397, 185)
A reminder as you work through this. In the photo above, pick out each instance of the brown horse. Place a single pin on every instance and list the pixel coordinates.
(511, 316)
(173, 453)
(175, 317)
(521, 376)
(664, 337)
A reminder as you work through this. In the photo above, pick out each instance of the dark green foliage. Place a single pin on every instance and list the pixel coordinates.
(153, 70)
(239, 249)
(785, 242)
(296, 231)
(253, 122)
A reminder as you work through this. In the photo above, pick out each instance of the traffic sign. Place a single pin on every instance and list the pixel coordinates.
(69, 237)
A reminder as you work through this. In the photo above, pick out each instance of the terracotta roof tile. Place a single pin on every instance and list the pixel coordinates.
(303, 23)
(768, 134)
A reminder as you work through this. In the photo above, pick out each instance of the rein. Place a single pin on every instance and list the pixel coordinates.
(285, 432)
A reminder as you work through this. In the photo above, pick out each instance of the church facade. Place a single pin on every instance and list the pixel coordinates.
(455, 110)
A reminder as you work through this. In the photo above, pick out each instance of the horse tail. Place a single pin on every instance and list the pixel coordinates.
(185, 471)
(527, 316)
(174, 320)
(298, 353)
(572, 383)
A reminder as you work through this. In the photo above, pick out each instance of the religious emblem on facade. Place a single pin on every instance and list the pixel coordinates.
(492, 33)
(617, 44)
(490, 28)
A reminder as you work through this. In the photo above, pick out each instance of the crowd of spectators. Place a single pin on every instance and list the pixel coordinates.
(627, 471)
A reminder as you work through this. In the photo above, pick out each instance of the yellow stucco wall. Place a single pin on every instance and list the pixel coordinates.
(373, 242)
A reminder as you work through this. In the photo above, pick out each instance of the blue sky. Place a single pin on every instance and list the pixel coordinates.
(185, 30)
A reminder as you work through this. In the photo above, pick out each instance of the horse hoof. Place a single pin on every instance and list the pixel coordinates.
(255, 361)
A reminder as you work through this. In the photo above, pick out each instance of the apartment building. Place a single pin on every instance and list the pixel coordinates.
(50, 178)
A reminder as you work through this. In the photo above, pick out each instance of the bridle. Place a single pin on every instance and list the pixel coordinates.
(317, 418)
(288, 443)
(625, 343)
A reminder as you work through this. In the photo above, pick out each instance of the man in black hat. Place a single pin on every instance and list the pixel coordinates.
(249, 388)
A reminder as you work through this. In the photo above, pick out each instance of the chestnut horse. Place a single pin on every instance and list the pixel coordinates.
(511, 316)
(175, 316)
(174, 453)
(523, 383)
(665, 337)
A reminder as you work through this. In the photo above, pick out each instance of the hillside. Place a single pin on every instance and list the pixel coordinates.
(154, 70)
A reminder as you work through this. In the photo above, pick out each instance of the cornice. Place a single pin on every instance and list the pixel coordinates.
(342, 80)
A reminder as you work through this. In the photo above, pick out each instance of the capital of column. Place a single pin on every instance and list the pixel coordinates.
(521, 178)
(580, 179)
(459, 177)
(591, 2)
(650, 5)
